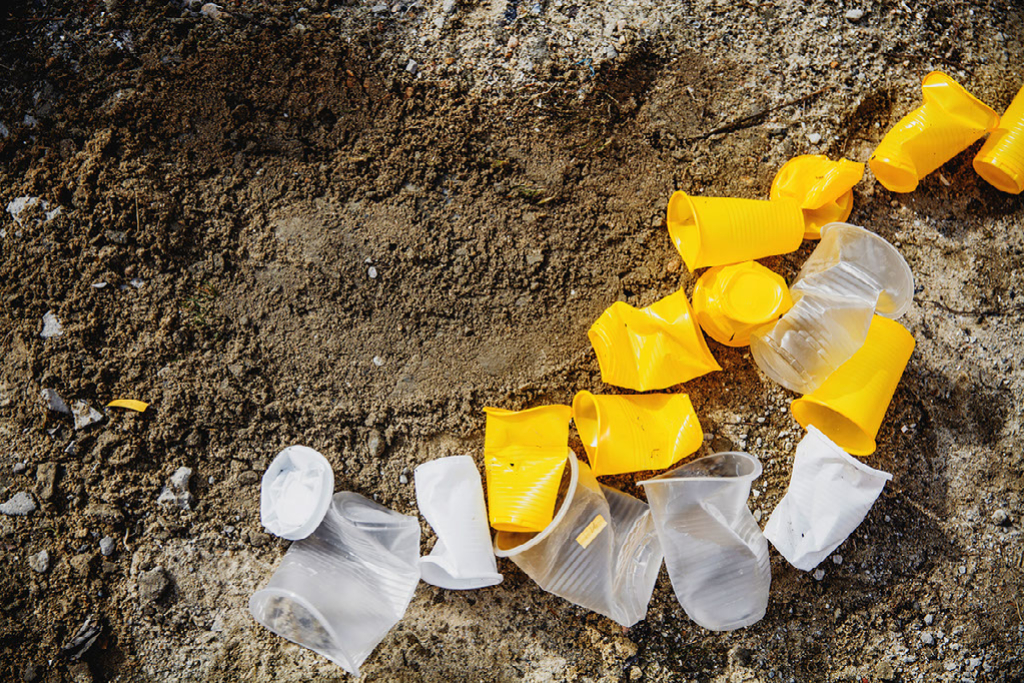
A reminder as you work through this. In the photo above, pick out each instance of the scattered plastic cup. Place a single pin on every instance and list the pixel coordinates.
(295, 492)
(732, 301)
(716, 555)
(949, 121)
(856, 263)
(635, 433)
(600, 551)
(824, 189)
(811, 340)
(341, 590)
(524, 453)
(651, 348)
(717, 231)
(849, 406)
(1001, 159)
(451, 498)
(828, 497)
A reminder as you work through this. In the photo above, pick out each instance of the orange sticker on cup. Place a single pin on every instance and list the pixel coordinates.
(588, 535)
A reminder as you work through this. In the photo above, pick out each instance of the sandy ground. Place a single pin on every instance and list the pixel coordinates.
(503, 168)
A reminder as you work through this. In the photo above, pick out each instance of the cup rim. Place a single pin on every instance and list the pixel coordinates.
(835, 449)
(473, 582)
(669, 477)
(346, 662)
(574, 478)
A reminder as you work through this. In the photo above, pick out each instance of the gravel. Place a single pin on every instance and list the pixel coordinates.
(176, 491)
(927, 638)
(39, 562)
(152, 585)
(107, 545)
(19, 505)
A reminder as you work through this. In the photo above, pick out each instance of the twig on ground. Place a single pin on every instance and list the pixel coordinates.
(754, 119)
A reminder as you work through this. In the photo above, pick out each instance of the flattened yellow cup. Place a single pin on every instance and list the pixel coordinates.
(717, 231)
(824, 189)
(732, 301)
(636, 433)
(849, 406)
(651, 348)
(1001, 159)
(949, 121)
(524, 455)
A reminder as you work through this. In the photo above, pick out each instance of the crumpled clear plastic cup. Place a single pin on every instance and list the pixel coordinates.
(828, 497)
(295, 492)
(716, 555)
(851, 262)
(806, 345)
(451, 498)
(637, 432)
(651, 348)
(1001, 159)
(339, 591)
(600, 552)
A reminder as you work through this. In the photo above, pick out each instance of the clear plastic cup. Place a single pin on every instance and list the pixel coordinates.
(1001, 159)
(651, 348)
(635, 433)
(451, 499)
(808, 343)
(851, 262)
(600, 552)
(339, 591)
(295, 492)
(716, 555)
(828, 497)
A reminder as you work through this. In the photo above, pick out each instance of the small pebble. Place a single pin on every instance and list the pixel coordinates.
(929, 619)
(54, 402)
(19, 467)
(19, 505)
(107, 545)
(51, 326)
(39, 562)
(813, 138)
(757, 515)
(412, 67)
(927, 638)
(837, 559)
(1001, 518)
(819, 574)
(372, 272)
(378, 361)
(854, 14)
(403, 479)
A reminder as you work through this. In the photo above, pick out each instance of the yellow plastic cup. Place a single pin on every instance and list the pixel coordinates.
(717, 231)
(636, 433)
(524, 455)
(1001, 159)
(824, 189)
(651, 348)
(950, 120)
(730, 302)
(849, 406)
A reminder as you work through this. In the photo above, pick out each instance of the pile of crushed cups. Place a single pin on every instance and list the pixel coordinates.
(831, 336)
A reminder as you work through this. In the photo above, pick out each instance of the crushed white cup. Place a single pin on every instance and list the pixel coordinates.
(851, 262)
(341, 590)
(828, 497)
(716, 555)
(296, 492)
(600, 551)
(451, 499)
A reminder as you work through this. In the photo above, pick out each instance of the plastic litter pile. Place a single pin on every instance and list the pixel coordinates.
(831, 335)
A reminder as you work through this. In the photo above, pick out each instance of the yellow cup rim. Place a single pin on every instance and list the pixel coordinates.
(999, 174)
(574, 477)
(803, 407)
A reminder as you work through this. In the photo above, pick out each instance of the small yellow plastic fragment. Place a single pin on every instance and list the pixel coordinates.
(588, 535)
(130, 404)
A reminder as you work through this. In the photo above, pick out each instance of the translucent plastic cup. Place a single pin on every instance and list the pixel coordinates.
(852, 262)
(716, 555)
(828, 497)
(811, 340)
(339, 591)
(451, 499)
(733, 301)
(600, 552)
(717, 231)
(824, 189)
(636, 433)
(1001, 159)
(651, 348)
(524, 455)
(850, 405)
(295, 492)
(949, 121)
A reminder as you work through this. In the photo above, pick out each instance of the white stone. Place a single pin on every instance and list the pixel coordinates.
(54, 402)
(19, 505)
(854, 14)
(813, 138)
(51, 326)
(39, 562)
(85, 414)
(176, 491)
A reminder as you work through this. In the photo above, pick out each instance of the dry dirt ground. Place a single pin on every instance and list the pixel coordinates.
(503, 168)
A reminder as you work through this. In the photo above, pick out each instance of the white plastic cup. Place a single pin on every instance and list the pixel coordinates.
(600, 551)
(716, 555)
(829, 495)
(451, 499)
(851, 262)
(295, 492)
(806, 345)
(341, 590)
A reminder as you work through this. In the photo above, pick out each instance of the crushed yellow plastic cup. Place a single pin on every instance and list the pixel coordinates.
(850, 405)
(651, 348)
(717, 231)
(950, 120)
(824, 189)
(1001, 159)
(524, 455)
(730, 302)
(636, 433)
(137, 406)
